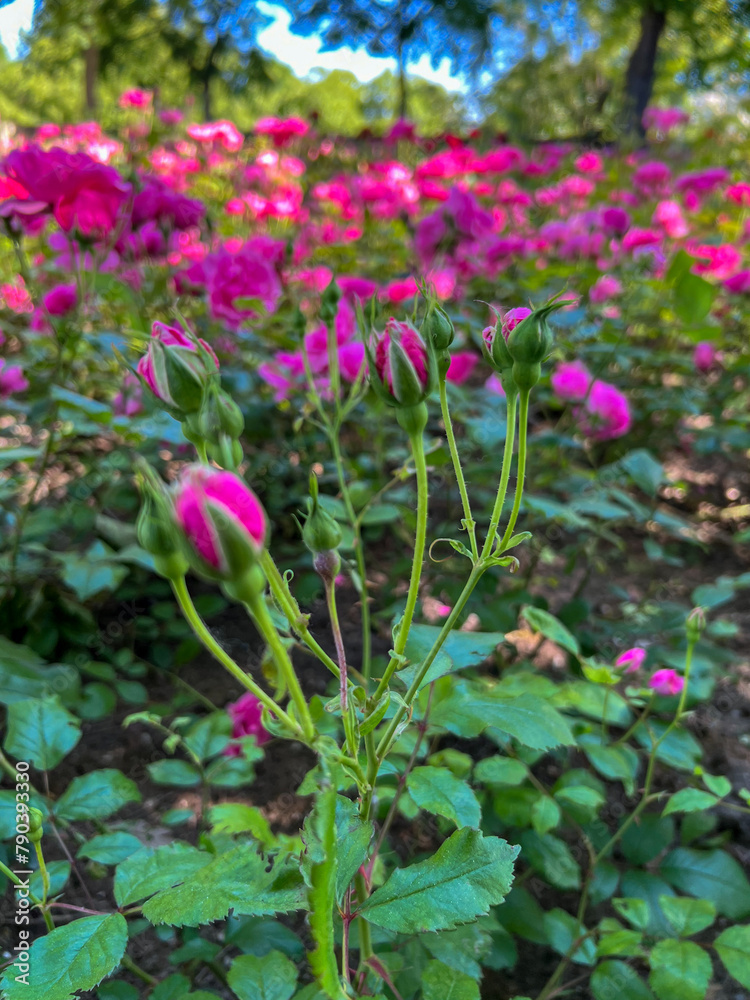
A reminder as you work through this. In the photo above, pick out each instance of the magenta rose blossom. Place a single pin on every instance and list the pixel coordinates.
(607, 412)
(61, 299)
(462, 365)
(84, 194)
(705, 356)
(571, 380)
(631, 660)
(217, 511)
(250, 273)
(247, 720)
(11, 379)
(666, 682)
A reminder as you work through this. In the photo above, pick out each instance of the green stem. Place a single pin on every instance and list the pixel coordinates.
(502, 489)
(404, 626)
(200, 447)
(522, 438)
(34, 899)
(411, 694)
(262, 619)
(469, 521)
(130, 965)
(359, 554)
(330, 588)
(42, 869)
(202, 632)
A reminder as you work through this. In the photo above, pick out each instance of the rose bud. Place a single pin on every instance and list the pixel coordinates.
(176, 368)
(666, 682)
(219, 415)
(322, 536)
(156, 528)
(495, 346)
(529, 343)
(437, 327)
(631, 660)
(329, 303)
(225, 527)
(695, 624)
(403, 365)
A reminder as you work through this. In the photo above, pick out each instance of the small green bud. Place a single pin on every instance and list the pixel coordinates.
(36, 825)
(156, 528)
(327, 565)
(437, 327)
(219, 414)
(329, 303)
(695, 624)
(321, 532)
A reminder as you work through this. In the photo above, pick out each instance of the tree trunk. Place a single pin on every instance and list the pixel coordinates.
(639, 78)
(91, 61)
(401, 82)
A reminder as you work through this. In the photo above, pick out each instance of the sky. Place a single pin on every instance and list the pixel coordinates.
(302, 54)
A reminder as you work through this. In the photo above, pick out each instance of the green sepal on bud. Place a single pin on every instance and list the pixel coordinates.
(498, 357)
(180, 375)
(219, 415)
(529, 343)
(320, 532)
(36, 825)
(156, 528)
(329, 302)
(695, 625)
(437, 327)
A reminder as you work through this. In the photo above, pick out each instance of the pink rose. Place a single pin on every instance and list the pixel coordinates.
(571, 380)
(631, 659)
(607, 412)
(462, 365)
(401, 351)
(666, 682)
(250, 273)
(61, 299)
(11, 379)
(705, 356)
(247, 720)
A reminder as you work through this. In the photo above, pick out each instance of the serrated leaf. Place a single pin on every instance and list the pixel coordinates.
(636, 911)
(96, 795)
(439, 982)
(269, 977)
(616, 979)
(41, 732)
(438, 791)
(236, 880)
(733, 947)
(466, 875)
(110, 848)
(545, 814)
(149, 870)
(713, 875)
(353, 838)
(680, 970)
(688, 916)
(236, 817)
(73, 957)
(552, 857)
(689, 800)
(542, 621)
(500, 771)
(182, 773)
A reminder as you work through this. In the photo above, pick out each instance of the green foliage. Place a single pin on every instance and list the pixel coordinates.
(271, 977)
(41, 732)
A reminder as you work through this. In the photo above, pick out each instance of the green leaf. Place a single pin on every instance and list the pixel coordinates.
(689, 800)
(110, 848)
(637, 912)
(460, 650)
(679, 749)
(717, 784)
(680, 970)
(438, 791)
(73, 957)
(693, 298)
(733, 947)
(688, 916)
(562, 930)
(645, 471)
(237, 880)
(58, 871)
(269, 977)
(41, 732)
(149, 870)
(644, 885)
(259, 935)
(713, 875)
(88, 577)
(542, 621)
(209, 736)
(469, 710)
(614, 762)
(174, 772)
(545, 814)
(552, 857)
(73, 400)
(647, 838)
(96, 795)
(468, 874)
(24, 674)
(611, 980)
(500, 771)
(353, 837)
(439, 982)
(236, 817)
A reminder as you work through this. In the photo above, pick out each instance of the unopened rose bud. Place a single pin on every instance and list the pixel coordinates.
(329, 303)
(176, 369)
(219, 415)
(223, 523)
(36, 825)
(403, 366)
(529, 343)
(437, 327)
(156, 529)
(321, 532)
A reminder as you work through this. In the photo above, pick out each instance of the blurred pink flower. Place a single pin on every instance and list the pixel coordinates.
(247, 720)
(607, 412)
(462, 365)
(61, 299)
(631, 659)
(666, 682)
(605, 288)
(135, 99)
(571, 380)
(705, 356)
(11, 379)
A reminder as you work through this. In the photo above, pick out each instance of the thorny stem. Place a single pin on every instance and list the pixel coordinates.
(404, 626)
(202, 632)
(458, 470)
(522, 438)
(502, 489)
(262, 619)
(330, 588)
